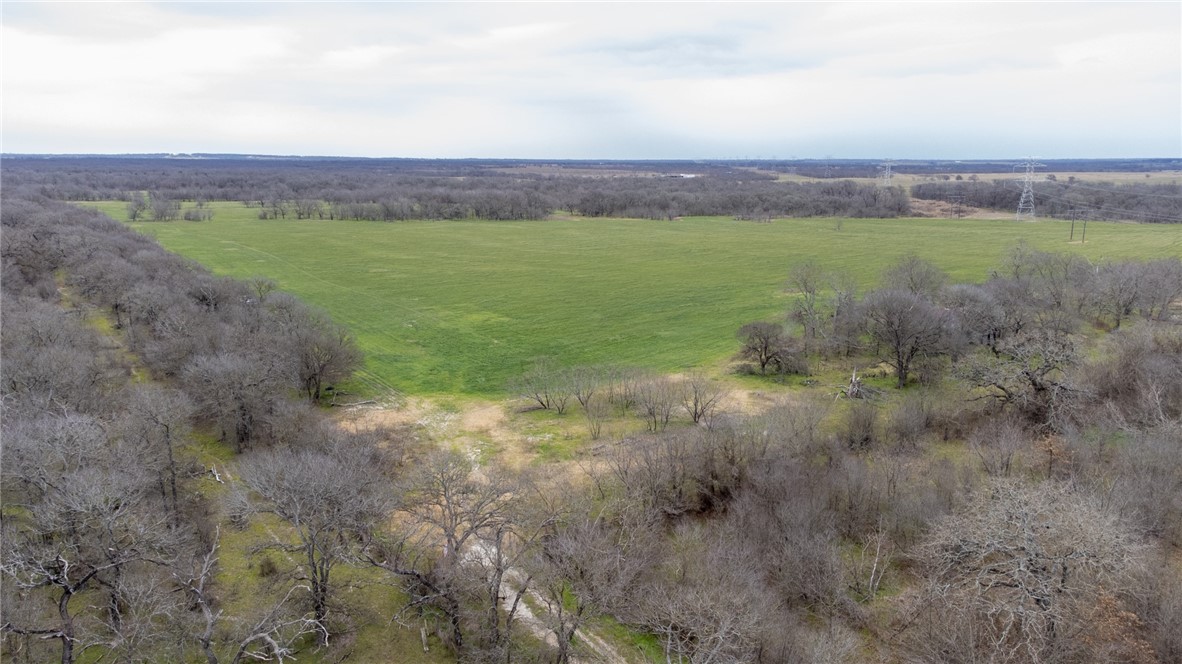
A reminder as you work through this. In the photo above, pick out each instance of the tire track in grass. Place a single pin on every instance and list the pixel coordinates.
(317, 277)
(366, 375)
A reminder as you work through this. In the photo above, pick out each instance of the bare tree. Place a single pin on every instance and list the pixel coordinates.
(905, 327)
(1018, 568)
(237, 390)
(51, 361)
(163, 207)
(657, 398)
(916, 276)
(716, 610)
(275, 633)
(621, 384)
(329, 498)
(761, 343)
(768, 345)
(844, 331)
(1049, 290)
(585, 382)
(701, 397)
(997, 442)
(546, 384)
(587, 567)
(1029, 373)
(861, 425)
(806, 279)
(595, 411)
(84, 537)
(136, 206)
(306, 208)
(156, 421)
(1137, 378)
(1118, 290)
(980, 317)
(1162, 286)
(453, 523)
(325, 353)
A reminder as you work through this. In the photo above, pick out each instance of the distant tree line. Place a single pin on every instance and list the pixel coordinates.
(868, 168)
(395, 190)
(344, 190)
(1140, 201)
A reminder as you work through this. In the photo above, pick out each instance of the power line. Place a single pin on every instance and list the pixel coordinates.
(1112, 211)
(1114, 190)
(1109, 209)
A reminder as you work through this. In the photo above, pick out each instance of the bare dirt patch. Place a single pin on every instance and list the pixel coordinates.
(945, 210)
(481, 429)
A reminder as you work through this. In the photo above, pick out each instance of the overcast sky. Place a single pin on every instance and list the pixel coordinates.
(543, 80)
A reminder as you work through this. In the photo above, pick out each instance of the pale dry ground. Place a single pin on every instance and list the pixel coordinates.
(478, 428)
(497, 431)
(945, 210)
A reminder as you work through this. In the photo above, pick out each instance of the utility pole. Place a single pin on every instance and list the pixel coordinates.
(1072, 236)
(1026, 202)
(957, 200)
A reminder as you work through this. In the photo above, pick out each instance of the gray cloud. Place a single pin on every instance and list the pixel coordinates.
(596, 80)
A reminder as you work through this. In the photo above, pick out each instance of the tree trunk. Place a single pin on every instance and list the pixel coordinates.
(67, 632)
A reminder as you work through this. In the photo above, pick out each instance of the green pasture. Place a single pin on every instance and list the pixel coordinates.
(460, 307)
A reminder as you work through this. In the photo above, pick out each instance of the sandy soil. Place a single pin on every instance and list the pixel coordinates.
(944, 210)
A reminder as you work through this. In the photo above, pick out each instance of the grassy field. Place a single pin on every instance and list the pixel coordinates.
(460, 307)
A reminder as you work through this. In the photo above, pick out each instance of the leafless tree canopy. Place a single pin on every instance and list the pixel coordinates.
(163, 429)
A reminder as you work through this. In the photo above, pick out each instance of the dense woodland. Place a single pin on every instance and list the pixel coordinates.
(393, 190)
(1016, 496)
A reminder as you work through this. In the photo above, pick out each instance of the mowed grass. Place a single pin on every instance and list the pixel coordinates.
(461, 307)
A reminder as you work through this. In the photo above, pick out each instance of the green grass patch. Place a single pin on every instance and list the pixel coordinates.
(252, 581)
(556, 448)
(460, 307)
(206, 448)
(629, 641)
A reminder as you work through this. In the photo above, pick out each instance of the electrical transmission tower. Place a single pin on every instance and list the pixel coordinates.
(885, 168)
(1026, 202)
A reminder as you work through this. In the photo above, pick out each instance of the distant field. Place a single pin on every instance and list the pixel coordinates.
(459, 307)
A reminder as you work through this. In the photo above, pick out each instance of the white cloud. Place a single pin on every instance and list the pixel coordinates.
(359, 57)
(596, 80)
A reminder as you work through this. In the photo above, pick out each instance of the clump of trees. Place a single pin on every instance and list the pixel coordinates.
(598, 390)
(769, 346)
(107, 537)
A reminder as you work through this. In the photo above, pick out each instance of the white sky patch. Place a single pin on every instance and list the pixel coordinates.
(661, 80)
(359, 57)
